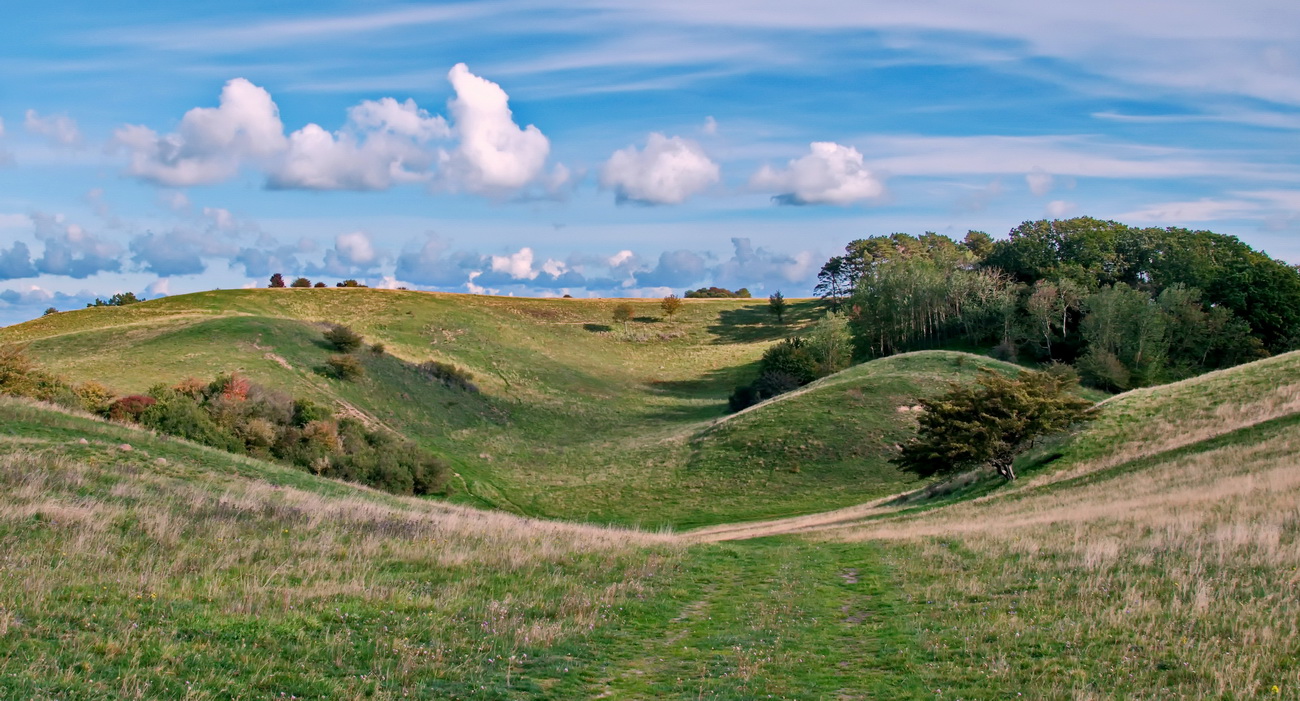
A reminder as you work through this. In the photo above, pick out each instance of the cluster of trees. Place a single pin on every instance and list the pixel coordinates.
(796, 361)
(277, 281)
(232, 414)
(121, 299)
(717, 293)
(1128, 307)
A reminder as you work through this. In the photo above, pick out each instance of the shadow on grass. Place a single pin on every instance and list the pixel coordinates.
(755, 323)
(597, 328)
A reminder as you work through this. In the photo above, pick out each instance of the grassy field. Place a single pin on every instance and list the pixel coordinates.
(1152, 555)
(579, 417)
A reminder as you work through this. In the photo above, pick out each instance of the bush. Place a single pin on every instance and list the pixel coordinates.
(343, 338)
(774, 382)
(623, 313)
(306, 411)
(175, 414)
(277, 280)
(94, 397)
(345, 367)
(129, 408)
(378, 349)
(20, 377)
(319, 284)
(301, 282)
(790, 357)
(449, 375)
(1104, 370)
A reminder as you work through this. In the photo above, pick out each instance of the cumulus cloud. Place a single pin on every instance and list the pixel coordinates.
(758, 266)
(385, 142)
(1040, 182)
(178, 252)
(830, 174)
(494, 155)
(16, 262)
(667, 171)
(1058, 209)
(355, 249)
(58, 129)
(518, 265)
(71, 250)
(432, 265)
(211, 143)
(353, 254)
(674, 269)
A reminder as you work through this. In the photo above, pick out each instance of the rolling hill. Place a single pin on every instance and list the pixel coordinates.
(578, 417)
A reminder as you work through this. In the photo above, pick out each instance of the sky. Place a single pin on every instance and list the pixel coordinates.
(615, 148)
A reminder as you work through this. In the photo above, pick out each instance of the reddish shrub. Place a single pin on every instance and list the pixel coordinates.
(130, 408)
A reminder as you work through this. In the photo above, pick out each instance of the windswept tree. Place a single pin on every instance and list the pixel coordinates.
(991, 421)
(777, 305)
(833, 282)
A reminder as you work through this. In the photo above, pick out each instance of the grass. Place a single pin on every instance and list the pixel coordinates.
(1152, 555)
(578, 417)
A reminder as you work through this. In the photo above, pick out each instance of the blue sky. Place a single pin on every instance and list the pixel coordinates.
(615, 147)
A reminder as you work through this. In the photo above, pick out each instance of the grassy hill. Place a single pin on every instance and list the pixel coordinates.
(579, 417)
(1154, 557)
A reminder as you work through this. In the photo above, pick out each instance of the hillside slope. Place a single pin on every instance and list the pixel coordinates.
(578, 417)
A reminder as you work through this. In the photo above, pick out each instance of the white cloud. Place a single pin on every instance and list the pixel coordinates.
(59, 129)
(667, 171)
(355, 249)
(1040, 182)
(159, 288)
(517, 265)
(211, 143)
(1202, 210)
(1059, 209)
(830, 174)
(494, 155)
(620, 258)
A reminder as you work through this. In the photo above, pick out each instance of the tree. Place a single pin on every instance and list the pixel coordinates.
(670, 304)
(990, 422)
(345, 367)
(50, 311)
(830, 344)
(833, 282)
(319, 284)
(277, 280)
(344, 338)
(978, 243)
(301, 282)
(623, 313)
(121, 299)
(348, 283)
(776, 304)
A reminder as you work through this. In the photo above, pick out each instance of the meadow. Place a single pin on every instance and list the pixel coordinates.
(773, 553)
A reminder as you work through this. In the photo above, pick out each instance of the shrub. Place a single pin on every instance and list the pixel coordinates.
(343, 338)
(129, 408)
(306, 411)
(301, 282)
(277, 280)
(348, 283)
(319, 284)
(94, 397)
(175, 414)
(233, 387)
(1104, 370)
(345, 367)
(191, 387)
(378, 349)
(671, 305)
(449, 375)
(50, 311)
(20, 377)
(774, 382)
(623, 313)
(790, 357)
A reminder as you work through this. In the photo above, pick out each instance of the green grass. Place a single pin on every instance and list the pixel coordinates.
(578, 417)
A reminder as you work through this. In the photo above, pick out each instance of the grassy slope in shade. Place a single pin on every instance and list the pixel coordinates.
(578, 418)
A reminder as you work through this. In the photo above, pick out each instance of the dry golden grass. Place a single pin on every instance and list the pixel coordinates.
(1183, 574)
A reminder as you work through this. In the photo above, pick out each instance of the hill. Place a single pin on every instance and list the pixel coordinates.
(1153, 555)
(578, 416)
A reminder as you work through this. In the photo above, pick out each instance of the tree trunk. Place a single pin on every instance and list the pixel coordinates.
(1005, 468)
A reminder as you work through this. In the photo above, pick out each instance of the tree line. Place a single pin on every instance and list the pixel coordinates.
(1127, 307)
